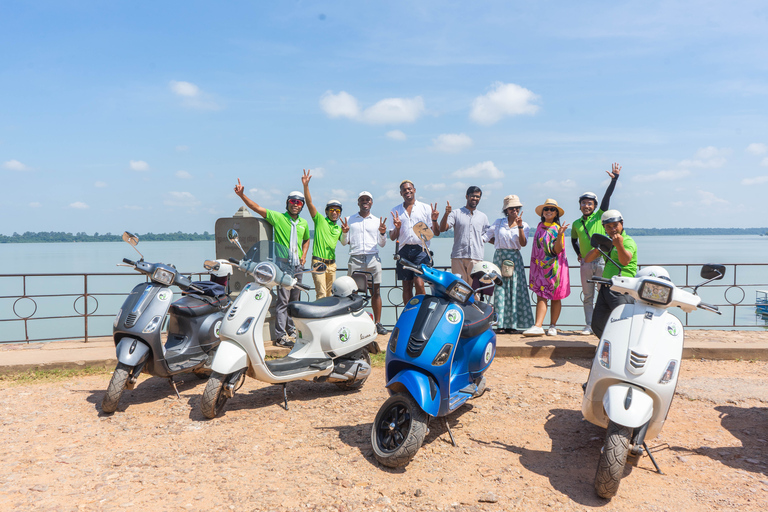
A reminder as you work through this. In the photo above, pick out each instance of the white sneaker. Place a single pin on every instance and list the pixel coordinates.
(552, 331)
(587, 330)
(534, 331)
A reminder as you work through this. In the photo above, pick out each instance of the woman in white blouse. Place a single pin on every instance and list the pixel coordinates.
(511, 301)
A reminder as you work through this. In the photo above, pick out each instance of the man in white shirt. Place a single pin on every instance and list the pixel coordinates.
(404, 217)
(469, 225)
(365, 234)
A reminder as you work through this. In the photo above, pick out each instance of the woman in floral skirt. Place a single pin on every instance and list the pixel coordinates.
(549, 267)
(508, 234)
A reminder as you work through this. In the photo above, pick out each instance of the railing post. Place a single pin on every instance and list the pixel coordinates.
(85, 306)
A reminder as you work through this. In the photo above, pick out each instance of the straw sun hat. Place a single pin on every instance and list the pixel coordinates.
(549, 202)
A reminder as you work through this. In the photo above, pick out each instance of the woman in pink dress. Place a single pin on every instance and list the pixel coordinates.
(549, 267)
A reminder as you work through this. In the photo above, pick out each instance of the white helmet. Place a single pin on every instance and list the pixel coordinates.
(482, 268)
(225, 269)
(343, 287)
(611, 216)
(653, 271)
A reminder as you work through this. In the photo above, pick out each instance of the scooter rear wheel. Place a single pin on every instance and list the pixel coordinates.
(115, 388)
(398, 430)
(214, 398)
(610, 468)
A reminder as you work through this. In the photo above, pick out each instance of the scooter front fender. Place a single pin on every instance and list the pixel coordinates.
(424, 390)
(627, 405)
(229, 358)
(131, 351)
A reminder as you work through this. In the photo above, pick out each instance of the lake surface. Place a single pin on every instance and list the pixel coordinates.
(94, 258)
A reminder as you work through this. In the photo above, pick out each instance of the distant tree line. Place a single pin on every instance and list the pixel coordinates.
(695, 231)
(60, 236)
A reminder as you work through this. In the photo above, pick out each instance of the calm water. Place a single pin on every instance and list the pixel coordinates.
(188, 257)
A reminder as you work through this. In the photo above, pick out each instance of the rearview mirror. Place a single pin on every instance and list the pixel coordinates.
(423, 232)
(319, 267)
(211, 265)
(130, 238)
(602, 242)
(232, 236)
(712, 271)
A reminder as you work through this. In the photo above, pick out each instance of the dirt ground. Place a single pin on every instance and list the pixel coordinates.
(521, 446)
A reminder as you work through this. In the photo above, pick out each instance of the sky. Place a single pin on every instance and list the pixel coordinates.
(141, 116)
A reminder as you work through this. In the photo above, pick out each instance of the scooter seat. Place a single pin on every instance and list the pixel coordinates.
(476, 321)
(326, 307)
(194, 306)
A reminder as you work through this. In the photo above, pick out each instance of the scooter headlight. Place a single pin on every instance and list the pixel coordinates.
(443, 356)
(245, 326)
(117, 319)
(669, 372)
(655, 292)
(393, 339)
(605, 354)
(152, 325)
(163, 276)
(459, 292)
(264, 273)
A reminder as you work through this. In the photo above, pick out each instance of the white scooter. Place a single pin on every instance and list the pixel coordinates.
(634, 374)
(335, 334)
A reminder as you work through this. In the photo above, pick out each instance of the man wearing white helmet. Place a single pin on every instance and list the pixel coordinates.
(327, 233)
(289, 230)
(365, 233)
(624, 252)
(581, 231)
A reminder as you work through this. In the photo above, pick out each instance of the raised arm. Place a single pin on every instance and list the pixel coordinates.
(307, 197)
(605, 204)
(240, 191)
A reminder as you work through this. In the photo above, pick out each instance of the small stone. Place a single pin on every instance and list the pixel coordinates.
(488, 497)
(39, 488)
(682, 458)
(753, 461)
(418, 493)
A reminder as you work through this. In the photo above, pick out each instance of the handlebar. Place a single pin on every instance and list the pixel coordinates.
(599, 280)
(302, 286)
(233, 260)
(404, 262)
(129, 262)
(710, 307)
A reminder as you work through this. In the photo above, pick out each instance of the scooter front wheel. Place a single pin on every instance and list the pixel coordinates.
(398, 430)
(115, 388)
(214, 398)
(610, 468)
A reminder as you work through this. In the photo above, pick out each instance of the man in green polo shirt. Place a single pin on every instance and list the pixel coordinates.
(624, 252)
(581, 230)
(327, 234)
(292, 232)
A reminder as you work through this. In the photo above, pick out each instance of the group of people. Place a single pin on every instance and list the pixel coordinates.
(549, 279)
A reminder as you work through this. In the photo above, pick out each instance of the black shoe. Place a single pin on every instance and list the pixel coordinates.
(284, 342)
(380, 328)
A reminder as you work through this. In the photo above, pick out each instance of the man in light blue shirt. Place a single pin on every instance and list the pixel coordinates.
(469, 225)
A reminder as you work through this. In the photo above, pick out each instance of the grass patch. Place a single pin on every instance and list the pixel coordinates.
(35, 376)
(377, 360)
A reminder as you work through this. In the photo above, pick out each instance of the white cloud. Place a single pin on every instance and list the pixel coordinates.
(707, 158)
(100, 184)
(15, 165)
(503, 100)
(481, 170)
(435, 186)
(139, 165)
(132, 207)
(339, 194)
(662, 176)
(318, 172)
(184, 175)
(181, 149)
(181, 199)
(192, 96)
(757, 148)
(396, 135)
(79, 205)
(709, 199)
(764, 163)
(452, 142)
(554, 184)
(185, 89)
(35, 205)
(757, 180)
(388, 110)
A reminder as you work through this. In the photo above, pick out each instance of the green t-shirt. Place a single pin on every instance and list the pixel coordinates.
(628, 271)
(593, 225)
(281, 222)
(327, 233)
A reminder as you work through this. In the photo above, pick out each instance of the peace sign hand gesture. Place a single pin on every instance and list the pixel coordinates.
(435, 212)
(344, 225)
(396, 220)
(382, 225)
(561, 231)
(519, 219)
(307, 176)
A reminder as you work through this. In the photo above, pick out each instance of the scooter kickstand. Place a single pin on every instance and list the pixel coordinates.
(448, 427)
(173, 385)
(652, 459)
(285, 395)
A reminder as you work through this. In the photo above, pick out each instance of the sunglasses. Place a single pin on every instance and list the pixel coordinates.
(514, 208)
(548, 209)
(296, 202)
(331, 210)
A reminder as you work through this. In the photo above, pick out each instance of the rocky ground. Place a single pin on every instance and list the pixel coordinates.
(521, 446)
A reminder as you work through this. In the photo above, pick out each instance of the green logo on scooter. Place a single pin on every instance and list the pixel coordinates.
(453, 316)
(259, 295)
(343, 334)
(672, 329)
(164, 295)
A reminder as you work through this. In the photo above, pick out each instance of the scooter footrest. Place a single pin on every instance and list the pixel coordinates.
(292, 365)
(187, 364)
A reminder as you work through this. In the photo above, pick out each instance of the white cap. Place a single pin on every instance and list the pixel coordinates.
(365, 193)
(611, 216)
(296, 195)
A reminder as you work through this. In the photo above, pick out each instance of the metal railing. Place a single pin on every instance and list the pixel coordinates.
(24, 308)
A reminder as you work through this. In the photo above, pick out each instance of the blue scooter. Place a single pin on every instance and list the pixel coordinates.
(438, 351)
